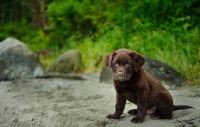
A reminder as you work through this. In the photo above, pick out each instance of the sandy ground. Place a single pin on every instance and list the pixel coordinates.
(68, 103)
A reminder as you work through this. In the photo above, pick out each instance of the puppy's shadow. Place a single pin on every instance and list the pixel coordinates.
(182, 113)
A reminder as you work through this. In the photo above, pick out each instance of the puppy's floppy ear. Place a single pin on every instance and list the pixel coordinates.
(108, 60)
(138, 60)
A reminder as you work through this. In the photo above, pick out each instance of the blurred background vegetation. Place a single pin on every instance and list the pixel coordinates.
(166, 30)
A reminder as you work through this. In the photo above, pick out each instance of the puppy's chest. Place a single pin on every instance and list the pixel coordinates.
(130, 96)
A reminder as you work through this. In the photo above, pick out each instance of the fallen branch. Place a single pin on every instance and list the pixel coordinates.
(60, 75)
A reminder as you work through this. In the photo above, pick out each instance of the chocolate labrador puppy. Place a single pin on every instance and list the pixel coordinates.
(134, 84)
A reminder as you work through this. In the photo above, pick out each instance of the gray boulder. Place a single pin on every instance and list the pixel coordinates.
(68, 62)
(106, 75)
(18, 61)
(161, 71)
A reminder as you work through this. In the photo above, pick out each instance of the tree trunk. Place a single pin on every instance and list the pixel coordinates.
(42, 12)
(38, 10)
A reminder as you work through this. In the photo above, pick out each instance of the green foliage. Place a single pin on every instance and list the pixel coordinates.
(181, 51)
(95, 19)
(164, 30)
(66, 20)
(24, 31)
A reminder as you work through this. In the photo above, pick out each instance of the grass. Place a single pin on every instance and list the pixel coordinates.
(180, 50)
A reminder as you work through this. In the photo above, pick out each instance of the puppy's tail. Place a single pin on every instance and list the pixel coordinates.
(181, 107)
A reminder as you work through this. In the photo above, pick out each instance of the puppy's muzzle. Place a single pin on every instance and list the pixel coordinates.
(121, 76)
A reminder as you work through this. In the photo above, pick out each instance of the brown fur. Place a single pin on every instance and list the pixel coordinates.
(134, 84)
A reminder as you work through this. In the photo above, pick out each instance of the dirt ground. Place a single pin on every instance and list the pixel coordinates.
(72, 103)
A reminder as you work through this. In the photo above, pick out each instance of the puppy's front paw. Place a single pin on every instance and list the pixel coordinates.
(137, 120)
(112, 116)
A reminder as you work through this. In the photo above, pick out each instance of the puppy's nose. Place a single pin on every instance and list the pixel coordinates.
(120, 73)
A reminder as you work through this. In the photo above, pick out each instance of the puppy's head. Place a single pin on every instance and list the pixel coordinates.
(124, 63)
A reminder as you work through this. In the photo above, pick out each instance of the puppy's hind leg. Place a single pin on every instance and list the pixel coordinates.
(164, 107)
(132, 112)
(149, 111)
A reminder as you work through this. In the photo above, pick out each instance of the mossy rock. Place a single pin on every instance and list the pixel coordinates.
(68, 62)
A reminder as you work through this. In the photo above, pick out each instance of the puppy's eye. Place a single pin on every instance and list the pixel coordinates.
(116, 64)
(127, 64)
